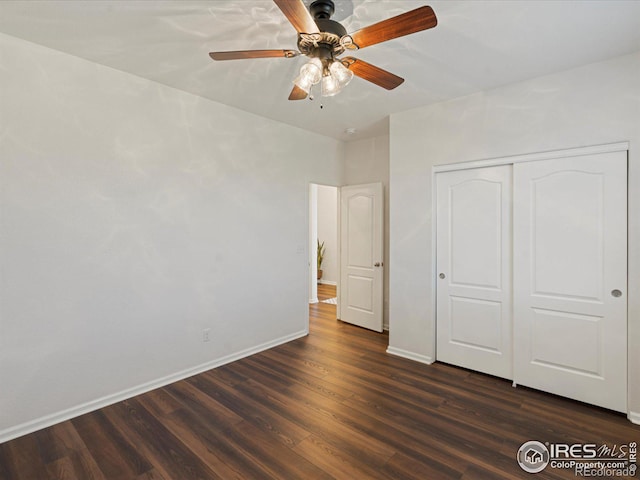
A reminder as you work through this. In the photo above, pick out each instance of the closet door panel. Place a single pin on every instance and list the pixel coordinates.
(570, 325)
(473, 261)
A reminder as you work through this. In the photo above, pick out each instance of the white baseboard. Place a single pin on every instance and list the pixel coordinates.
(634, 417)
(327, 282)
(69, 413)
(398, 352)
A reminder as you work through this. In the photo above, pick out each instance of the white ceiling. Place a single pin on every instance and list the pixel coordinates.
(477, 45)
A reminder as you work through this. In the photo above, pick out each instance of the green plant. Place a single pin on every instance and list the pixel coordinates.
(320, 254)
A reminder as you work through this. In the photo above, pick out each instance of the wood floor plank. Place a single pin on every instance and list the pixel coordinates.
(326, 291)
(160, 402)
(332, 404)
(152, 475)
(18, 459)
(406, 467)
(212, 447)
(66, 438)
(161, 446)
(116, 456)
(252, 410)
(280, 462)
(335, 462)
(79, 465)
(50, 450)
(302, 377)
(317, 416)
(204, 406)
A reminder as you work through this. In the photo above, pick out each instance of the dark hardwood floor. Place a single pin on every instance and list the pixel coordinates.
(330, 405)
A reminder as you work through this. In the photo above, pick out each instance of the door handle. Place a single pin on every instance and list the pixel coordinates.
(442, 275)
(616, 293)
(378, 264)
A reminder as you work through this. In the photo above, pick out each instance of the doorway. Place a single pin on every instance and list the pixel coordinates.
(346, 226)
(323, 247)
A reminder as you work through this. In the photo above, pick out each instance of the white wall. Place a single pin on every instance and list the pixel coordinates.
(367, 161)
(591, 105)
(328, 232)
(133, 217)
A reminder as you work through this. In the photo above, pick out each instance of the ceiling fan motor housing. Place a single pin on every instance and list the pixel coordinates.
(322, 9)
(331, 33)
(328, 41)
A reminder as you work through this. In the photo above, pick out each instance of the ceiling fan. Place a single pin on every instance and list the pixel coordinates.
(323, 40)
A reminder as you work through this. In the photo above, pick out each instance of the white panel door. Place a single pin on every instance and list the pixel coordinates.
(361, 255)
(474, 269)
(570, 277)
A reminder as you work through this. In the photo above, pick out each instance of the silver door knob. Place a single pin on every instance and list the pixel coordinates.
(442, 275)
(616, 293)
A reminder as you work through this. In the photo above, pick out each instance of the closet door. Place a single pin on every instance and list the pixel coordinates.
(474, 269)
(570, 277)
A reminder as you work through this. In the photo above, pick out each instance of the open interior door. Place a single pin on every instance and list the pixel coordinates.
(361, 255)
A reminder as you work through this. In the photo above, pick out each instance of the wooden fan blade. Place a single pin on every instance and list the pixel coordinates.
(298, 15)
(371, 73)
(242, 54)
(297, 93)
(411, 22)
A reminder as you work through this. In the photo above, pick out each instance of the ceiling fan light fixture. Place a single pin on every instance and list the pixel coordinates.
(336, 77)
(341, 73)
(310, 74)
(330, 86)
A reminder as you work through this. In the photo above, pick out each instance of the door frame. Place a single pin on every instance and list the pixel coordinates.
(311, 245)
(510, 160)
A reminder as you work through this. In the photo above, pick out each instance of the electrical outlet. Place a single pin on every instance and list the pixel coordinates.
(205, 334)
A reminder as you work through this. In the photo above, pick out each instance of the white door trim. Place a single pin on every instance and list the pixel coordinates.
(532, 157)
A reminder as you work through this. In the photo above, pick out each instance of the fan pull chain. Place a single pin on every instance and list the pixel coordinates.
(311, 97)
